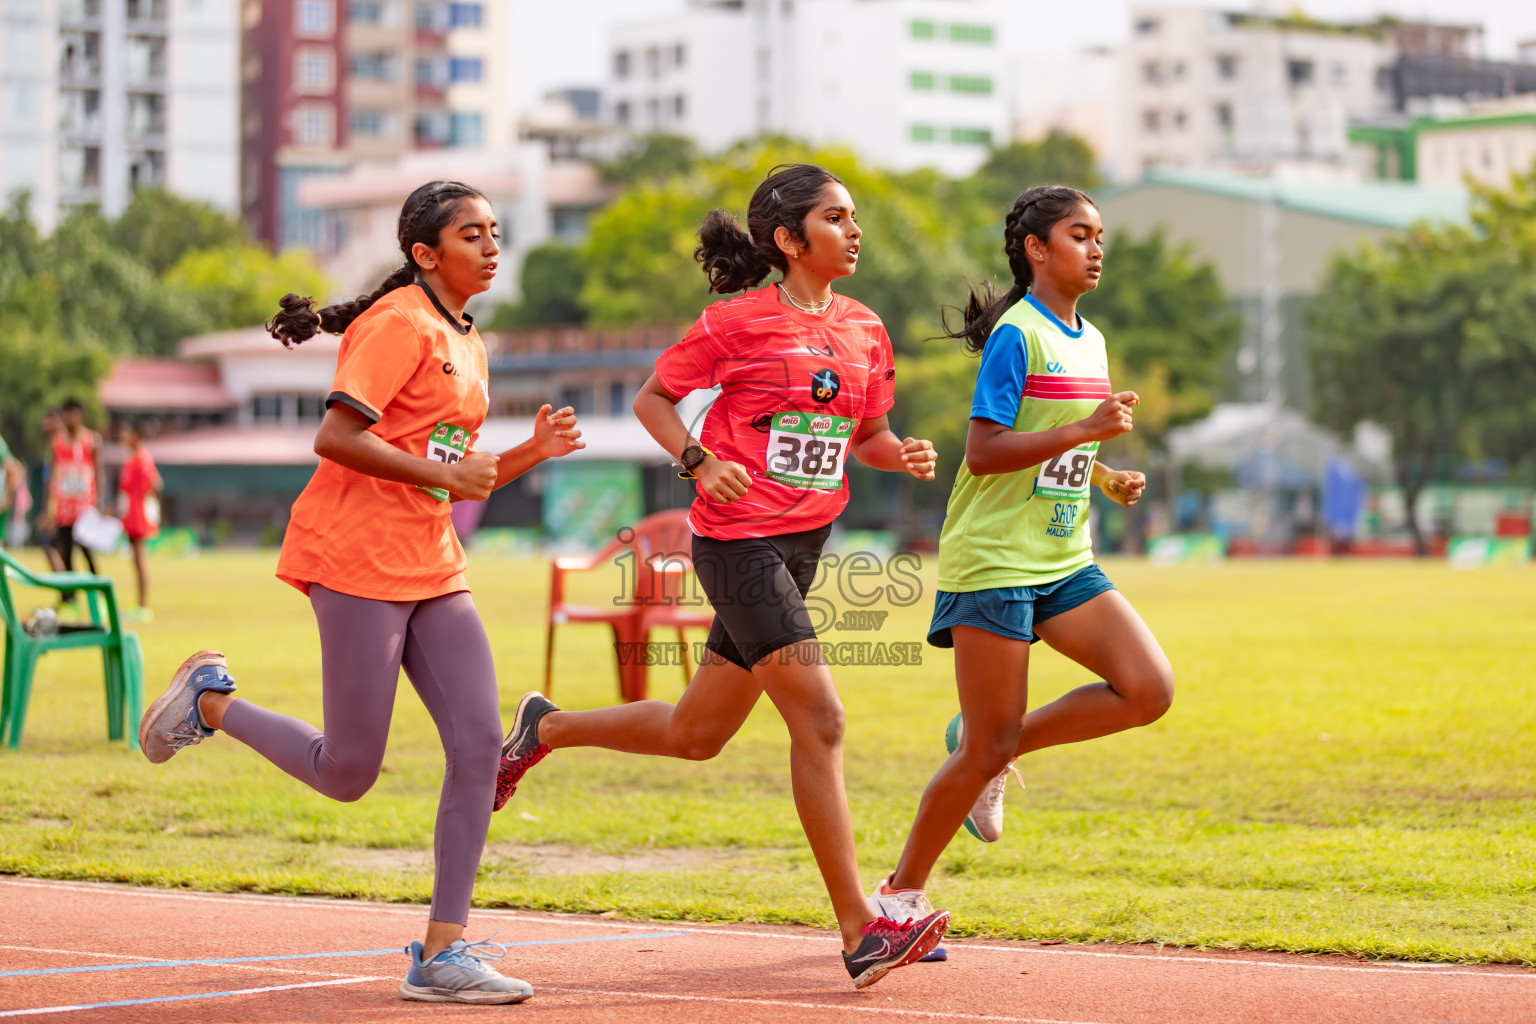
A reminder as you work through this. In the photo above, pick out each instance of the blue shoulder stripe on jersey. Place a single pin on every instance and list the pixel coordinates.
(1053, 318)
(1000, 378)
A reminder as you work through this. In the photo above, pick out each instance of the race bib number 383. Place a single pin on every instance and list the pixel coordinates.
(447, 443)
(808, 451)
(1067, 476)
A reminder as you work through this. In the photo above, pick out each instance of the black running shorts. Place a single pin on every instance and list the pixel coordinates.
(757, 586)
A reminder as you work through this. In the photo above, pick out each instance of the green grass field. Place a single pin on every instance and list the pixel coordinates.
(1349, 766)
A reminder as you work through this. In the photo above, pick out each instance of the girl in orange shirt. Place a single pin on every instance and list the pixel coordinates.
(371, 544)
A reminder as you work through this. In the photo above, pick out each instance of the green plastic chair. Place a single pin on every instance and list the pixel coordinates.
(122, 657)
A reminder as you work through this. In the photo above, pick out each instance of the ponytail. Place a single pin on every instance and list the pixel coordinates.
(1035, 212)
(424, 215)
(737, 259)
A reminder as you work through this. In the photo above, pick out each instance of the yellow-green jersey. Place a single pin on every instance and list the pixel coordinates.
(1028, 527)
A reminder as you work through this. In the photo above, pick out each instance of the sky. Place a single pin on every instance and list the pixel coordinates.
(564, 43)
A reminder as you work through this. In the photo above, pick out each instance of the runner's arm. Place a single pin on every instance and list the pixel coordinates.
(878, 447)
(992, 447)
(345, 439)
(657, 411)
(554, 435)
(1122, 486)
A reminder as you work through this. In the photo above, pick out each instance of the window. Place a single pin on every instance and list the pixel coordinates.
(976, 85)
(1152, 72)
(679, 106)
(466, 15)
(378, 67)
(970, 33)
(373, 124)
(621, 64)
(465, 69)
(371, 12)
(922, 30)
(616, 403)
(311, 408)
(314, 19)
(431, 128)
(621, 112)
(653, 62)
(1178, 70)
(1151, 121)
(146, 114)
(679, 56)
(922, 133)
(922, 81)
(1224, 116)
(465, 129)
(1340, 74)
(267, 408)
(971, 136)
(314, 124)
(429, 17)
(1226, 67)
(1146, 26)
(1299, 71)
(1178, 119)
(314, 70)
(429, 73)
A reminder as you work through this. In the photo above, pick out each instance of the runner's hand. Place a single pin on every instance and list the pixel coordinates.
(722, 481)
(1112, 418)
(1124, 486)
(555, 433)
(919, 458)
(473, 477)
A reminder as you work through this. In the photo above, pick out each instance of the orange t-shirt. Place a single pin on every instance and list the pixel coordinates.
(420, 376)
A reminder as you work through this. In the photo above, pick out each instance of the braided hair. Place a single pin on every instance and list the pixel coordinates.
(736, 259)
(426, 212)
(1035, 212)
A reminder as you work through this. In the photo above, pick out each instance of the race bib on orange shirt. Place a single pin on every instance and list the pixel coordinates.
(447, 444)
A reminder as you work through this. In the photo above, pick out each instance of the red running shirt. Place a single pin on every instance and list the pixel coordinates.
(793, 389)
(73, 476)
(136, 483)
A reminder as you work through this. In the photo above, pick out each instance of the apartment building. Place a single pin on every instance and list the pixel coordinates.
(328, 83)
(99, 98)
(1210, 89)
(906, 83)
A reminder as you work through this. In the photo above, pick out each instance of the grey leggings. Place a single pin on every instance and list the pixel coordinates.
(363, 644)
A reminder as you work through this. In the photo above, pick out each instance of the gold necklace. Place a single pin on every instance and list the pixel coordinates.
(805, 307)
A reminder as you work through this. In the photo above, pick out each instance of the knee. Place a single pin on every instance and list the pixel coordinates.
(477, 744)
(828, 724)
(350, 785)
(699, 746)
(988, 751)
(1150, 694)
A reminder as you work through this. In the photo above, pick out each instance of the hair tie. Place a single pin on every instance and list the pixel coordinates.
(775, 194)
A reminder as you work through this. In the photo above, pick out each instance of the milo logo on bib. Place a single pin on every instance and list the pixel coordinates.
(808, 451)
(447, 443)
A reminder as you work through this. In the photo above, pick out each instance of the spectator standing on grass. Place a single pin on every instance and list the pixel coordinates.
(13, 482)
(43, 529)
(74, 469)
(138, 488)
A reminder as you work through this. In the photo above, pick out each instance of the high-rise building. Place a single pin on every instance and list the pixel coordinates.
(906, 83)
(99, 98)
(1210, 89)
(328, 83)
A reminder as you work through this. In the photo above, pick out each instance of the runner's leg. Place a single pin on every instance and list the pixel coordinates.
(711, 710)
(1107, 637)
(992, 673)
(361, 644)
(448, 661)
(141, 568)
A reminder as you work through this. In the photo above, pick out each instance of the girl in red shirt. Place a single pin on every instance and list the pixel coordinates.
(137, 485)
(371, 544)
(806, 378)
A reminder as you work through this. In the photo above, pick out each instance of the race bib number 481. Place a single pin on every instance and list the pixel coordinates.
(808, 451)
(1067, 476)
(447, 443)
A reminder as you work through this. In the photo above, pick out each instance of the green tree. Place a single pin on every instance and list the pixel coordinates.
(1057, 159)
(552, 279)
(41, 371)
(652, 158)
(1399, 337)
(239, 285)
(157, 229)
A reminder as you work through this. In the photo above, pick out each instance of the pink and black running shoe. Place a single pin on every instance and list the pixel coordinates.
(522, 749)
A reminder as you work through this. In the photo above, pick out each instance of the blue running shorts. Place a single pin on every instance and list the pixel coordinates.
(1013, 611)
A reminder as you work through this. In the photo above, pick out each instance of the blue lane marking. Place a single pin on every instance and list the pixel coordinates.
(73, 1007)
(314, 956)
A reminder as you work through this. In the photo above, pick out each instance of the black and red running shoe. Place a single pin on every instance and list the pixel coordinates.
(888, 945)
(522, 749)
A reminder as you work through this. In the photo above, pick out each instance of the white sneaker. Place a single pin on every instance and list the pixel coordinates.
(899, 905)
(985, 821)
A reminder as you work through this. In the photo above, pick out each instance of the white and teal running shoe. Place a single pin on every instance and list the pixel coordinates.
(460, 974)
(985, 821)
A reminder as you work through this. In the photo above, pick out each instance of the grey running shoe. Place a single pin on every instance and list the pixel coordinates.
(888, 945)
(173, 721)
(460, 974)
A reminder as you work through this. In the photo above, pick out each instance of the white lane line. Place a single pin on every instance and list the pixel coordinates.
(36, 1010)
(544, 917)
(829, 1007)
(157, 959)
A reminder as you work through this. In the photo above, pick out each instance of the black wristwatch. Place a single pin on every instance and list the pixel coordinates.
(691, 457)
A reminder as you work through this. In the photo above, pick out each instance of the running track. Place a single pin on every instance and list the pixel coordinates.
(87, 952)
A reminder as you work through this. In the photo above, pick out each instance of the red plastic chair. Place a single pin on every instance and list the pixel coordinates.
(656, 554)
